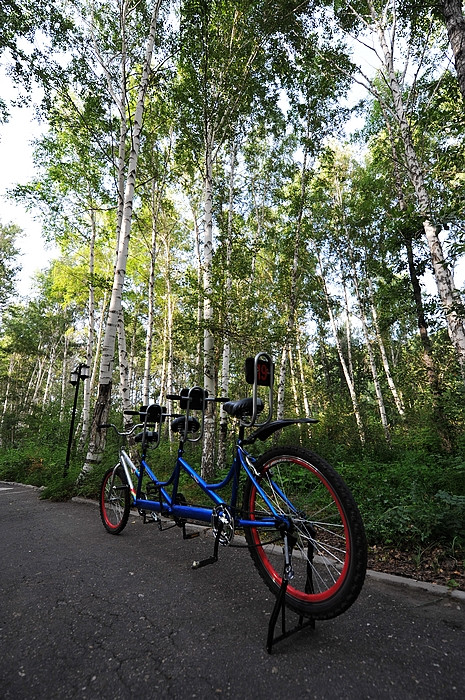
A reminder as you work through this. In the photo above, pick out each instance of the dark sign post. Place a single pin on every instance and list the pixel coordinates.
(81, 372)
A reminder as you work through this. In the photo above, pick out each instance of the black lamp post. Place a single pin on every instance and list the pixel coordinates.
(81, 372)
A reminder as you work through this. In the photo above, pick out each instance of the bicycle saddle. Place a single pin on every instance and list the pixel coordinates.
(178, 425)
(242, 407)
(150, 436)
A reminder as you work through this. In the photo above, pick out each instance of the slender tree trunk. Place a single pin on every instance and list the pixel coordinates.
(348, 332)
(208, 339)
(282, 382)
(302, 380)
(384, 358)
(64, 376)
(151, 301)
(90, 333)
(428, 359)
(454, 19)
(32, 379)
(98, 343)
(345, 369)
(169, 316)
(292, 375)
(164, 389)
(124, 387)
(449, 295)
(97, 437)
(38, 384)
(198, 257)
(292, 305)
(371, 355)
(7, 394)
(224, 387)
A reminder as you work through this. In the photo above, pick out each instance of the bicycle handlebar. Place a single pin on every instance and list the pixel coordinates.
(124, 433)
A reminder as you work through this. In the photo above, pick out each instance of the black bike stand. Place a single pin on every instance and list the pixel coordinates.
(280, 604)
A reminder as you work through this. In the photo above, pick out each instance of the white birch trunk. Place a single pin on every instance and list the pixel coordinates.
(7, 394)
(64, 376)
(48, 383)
(281, 383)
(371, 355)
(302, 379)
(384, 358)
(345, 369)
(124, 388)
(164, 390)
(293, 383)
(98, 342)
(97, 439)
(448, 294)
(38, 384)
(198, 257)
(151, 302)
(87, 389)
(348, 333)
(224, 386)
(208, 339)
(32, 379)
(292, 305)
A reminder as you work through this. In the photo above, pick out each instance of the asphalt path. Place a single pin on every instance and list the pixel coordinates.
(84, 614)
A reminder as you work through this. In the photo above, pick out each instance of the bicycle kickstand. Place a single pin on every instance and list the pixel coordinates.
(214, 557)
(280, 604)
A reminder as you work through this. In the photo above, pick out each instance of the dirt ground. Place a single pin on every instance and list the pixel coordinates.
(433, 565)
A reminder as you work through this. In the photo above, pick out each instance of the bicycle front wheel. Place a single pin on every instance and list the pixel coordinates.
(114, 500)
(329, 554)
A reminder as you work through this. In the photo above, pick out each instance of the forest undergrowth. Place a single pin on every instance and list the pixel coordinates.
(412, 500)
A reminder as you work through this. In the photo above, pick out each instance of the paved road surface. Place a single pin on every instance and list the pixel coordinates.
(84, 614)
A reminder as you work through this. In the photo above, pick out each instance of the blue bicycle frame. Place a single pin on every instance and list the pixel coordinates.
(167, 505)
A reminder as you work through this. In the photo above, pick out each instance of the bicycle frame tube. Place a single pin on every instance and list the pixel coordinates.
(167, 504)
(263, 522)
(128, 466)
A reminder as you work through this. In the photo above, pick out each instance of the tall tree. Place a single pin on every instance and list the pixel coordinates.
(96, 441)
(380, 21)
(226, 69)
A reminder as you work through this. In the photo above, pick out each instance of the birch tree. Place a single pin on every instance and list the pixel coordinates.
(96, 442)
(381, 24)
(224, 68)
(345, 368)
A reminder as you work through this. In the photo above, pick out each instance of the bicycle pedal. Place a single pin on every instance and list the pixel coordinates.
(204, 562)
(148, 517)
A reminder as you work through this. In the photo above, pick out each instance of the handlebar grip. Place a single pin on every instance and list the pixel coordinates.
(131, 413)
(173, 397)
(104, 425)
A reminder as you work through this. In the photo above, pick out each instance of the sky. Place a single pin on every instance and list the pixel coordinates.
(16, 167)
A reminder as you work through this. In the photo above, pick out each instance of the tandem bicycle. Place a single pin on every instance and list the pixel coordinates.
(299, 519)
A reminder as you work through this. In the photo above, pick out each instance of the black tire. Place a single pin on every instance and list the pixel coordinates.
(330, 554)
(114, 500)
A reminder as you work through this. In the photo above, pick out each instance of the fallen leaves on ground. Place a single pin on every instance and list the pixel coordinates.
(433, 565)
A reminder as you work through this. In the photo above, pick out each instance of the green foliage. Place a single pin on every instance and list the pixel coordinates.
(413, 499)
(9, 233)
(260, 84)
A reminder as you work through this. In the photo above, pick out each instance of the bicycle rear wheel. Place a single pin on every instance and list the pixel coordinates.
(114, 500)
(330, 553)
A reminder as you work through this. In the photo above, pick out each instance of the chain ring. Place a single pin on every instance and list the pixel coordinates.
(223, 515)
